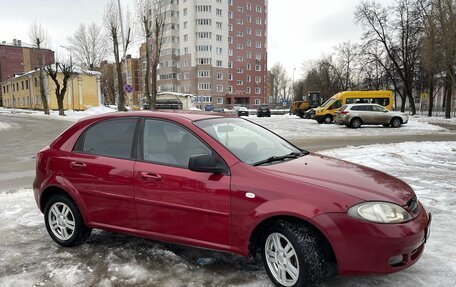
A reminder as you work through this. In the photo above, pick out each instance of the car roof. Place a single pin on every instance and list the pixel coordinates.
(362, 104)
(171, 115)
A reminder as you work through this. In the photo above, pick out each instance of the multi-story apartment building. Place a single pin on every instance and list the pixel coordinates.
(202, 52)
(247, 52)
(17, 58)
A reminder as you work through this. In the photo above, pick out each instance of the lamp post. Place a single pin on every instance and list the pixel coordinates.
(123, 44)
(292, 83)
(72, 77)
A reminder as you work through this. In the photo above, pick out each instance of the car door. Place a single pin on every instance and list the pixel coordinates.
(172, 200)
(381, 115)
(101, 169)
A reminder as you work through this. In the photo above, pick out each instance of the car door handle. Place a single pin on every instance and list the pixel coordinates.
(150, 176)
(77, 165)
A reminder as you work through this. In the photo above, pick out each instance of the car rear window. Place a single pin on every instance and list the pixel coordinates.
(113, 138)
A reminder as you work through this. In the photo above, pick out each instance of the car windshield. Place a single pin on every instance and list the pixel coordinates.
(249, 142)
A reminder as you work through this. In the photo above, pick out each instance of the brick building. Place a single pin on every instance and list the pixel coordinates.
(17, 58)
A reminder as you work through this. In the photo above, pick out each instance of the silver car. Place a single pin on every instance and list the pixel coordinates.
(355, 115)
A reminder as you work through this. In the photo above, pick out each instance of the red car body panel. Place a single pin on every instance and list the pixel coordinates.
(213, 211)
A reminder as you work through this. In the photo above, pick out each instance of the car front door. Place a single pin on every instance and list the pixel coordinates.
(173, 201)
(381, 115)
(101, 169)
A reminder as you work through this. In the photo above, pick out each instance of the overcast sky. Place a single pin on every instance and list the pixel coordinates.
(299, 30)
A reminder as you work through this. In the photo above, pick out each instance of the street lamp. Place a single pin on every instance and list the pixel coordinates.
(72, 77)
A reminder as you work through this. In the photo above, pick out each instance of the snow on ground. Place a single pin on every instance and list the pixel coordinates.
(70, 114)
(438, 120)
(290, 126)
(28, 256)
(4, 126)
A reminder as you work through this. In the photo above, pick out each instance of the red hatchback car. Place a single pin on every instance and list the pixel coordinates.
(227, 184)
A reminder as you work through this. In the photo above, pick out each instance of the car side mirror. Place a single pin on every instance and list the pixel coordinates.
(204, 163)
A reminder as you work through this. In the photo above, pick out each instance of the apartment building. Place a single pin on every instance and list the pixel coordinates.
(17, 58)
(202, 52)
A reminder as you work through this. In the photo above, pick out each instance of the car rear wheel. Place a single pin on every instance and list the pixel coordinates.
(292, 255)
(355, 123)
(64, 221)
(396, 122)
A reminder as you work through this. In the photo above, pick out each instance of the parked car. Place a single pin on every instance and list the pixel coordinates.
(193, 179)
(242, 111)
(356, 115)
(218, 110)
(263, 111)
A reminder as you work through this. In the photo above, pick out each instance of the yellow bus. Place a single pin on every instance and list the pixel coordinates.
(325, 112)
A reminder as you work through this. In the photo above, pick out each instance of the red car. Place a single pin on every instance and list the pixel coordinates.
(227, 184)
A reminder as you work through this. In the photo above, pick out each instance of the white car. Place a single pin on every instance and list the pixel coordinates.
(355, 115)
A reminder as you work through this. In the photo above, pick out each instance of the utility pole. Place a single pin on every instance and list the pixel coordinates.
(123, 44)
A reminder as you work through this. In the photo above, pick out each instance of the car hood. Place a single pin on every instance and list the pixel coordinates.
(345, 177)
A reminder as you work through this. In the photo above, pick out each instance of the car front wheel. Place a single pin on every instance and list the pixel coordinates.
(64, 222)
(328, 119)
(292, 255)
(396, 122)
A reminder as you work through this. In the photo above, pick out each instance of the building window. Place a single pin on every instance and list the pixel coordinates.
(219, 89)
(218, 12)
(220, 100)
(230, 15)
(239, 71)
(239, 47)
(219, 76)
(257, 44)
(249, 6)
(248, 31)
(219, 63)
(185, 24)
(258, 33)
(230, 52)
(230, 65)
(257, 80)
(204, 74)
(204, 61)
(239, 34)
(257, 102)
(248, 43)
(247, 90)
(258, 9)
(257, 68)
(203, 8)
(219, 50)
(185, 11)
(204, 86)
(219, 25)
(186, 75)
(239, 83)
(239, 22)
(240, 9)
(230, 77)
(218, 38)
(248, 79)
(230, 89)
(239, 58)
(248, 55)
(257, 91)
(249, 19)
(258, 21)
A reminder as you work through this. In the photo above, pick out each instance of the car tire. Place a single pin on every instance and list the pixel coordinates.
(355, 123)
(328, 119)
(319, 121)
(292, 254)
(396, 122)
(64, 222)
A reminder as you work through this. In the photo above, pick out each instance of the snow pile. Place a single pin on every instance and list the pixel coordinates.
(290, 126)
(4, 126)
(70, 114)
(436, 120)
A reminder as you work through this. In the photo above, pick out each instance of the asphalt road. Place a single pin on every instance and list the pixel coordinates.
(19, 145)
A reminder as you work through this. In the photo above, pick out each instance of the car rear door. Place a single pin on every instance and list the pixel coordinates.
(173, 201)
(101, 169)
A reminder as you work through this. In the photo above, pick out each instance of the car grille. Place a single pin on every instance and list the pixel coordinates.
(413, 204)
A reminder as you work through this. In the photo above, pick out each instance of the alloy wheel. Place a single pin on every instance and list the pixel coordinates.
(61, 221)
(282, 259)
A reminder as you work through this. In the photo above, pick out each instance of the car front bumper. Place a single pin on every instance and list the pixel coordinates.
(363, 248)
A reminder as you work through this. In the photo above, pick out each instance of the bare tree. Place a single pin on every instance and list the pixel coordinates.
(441, 36)
(113, 26)
(39, 38)
(144, 10)
(67, 71)
(159, 27)
(281, 82)
(399, 32)
(88, 46)
(347, 54)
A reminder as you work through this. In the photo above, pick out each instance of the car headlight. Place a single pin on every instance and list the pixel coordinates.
(379, 212)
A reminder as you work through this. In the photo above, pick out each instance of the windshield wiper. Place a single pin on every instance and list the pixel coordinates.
(291, 155)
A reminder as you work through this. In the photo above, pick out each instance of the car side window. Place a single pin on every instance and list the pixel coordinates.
(170, 144)
(112, 138)
(378, 109)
